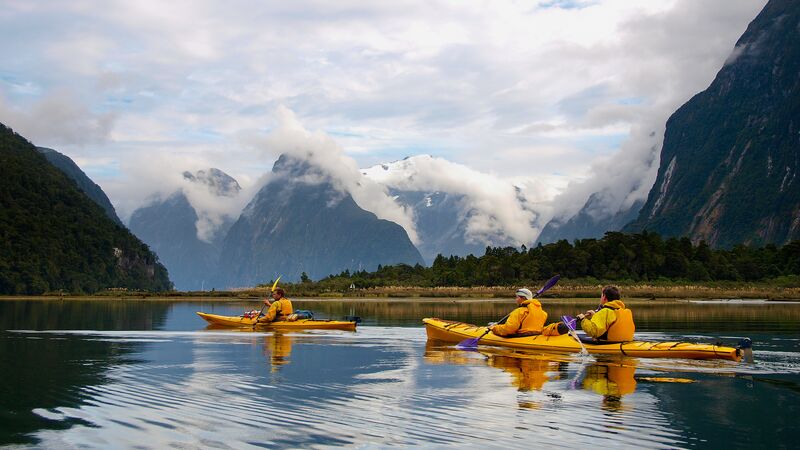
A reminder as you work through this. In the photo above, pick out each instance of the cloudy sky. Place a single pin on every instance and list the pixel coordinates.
(551, 91)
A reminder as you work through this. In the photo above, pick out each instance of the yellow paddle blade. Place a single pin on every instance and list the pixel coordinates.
(665, 379)
(275, 284)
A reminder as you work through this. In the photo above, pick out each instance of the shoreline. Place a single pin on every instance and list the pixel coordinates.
(410, 299)
(561, 292)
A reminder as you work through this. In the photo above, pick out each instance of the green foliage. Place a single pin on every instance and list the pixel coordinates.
(617, 257)
(53, 237)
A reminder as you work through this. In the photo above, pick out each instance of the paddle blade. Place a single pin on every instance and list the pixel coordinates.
(275, 284)
(570, 322)
(550, 283)
(468, 344)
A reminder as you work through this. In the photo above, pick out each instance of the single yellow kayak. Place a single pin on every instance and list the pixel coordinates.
(301, 324)
(449, 331)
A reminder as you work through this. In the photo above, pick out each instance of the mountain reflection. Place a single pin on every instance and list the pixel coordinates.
(42, 373)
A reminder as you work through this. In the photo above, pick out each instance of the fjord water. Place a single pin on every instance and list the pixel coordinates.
(148, 374)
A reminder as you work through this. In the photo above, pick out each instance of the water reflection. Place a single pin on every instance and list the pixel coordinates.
(611, 381)
(277, 349)
(91, 381)
(529, 372)
(651, 315)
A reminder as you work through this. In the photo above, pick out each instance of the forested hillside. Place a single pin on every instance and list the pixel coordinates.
(615, 257)
(53, 237)
(729, 164)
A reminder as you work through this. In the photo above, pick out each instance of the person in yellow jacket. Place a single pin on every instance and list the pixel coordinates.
(527, 320)
(612, 322)
(279, 309)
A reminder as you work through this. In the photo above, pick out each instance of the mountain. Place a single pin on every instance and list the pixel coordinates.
(170, 227)
(85, 184)
(441, 221)
(590, 222)
(54, 237)
(299, 222)
(729, 163)
(442, 218)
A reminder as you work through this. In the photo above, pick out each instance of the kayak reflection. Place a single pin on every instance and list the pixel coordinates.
(531, 371)
(278, 348)
(612, 381)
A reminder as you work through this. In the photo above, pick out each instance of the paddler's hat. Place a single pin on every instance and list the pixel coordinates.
(525, 293)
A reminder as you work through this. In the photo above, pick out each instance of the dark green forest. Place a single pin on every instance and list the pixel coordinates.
(54, 238)
(616, 257)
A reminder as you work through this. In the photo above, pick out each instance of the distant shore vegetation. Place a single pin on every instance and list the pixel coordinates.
(644, 265)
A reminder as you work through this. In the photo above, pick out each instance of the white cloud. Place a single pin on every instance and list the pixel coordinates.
(323, 152)
(58, 119)
(516, 89)
(493, 201)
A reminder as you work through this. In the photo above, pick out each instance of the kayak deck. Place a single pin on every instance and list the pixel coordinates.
(449, 331)
(301, 324)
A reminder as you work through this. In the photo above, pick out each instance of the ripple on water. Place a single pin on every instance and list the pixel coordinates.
(220, 390)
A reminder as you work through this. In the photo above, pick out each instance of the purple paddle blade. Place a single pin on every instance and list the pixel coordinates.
(550, 283)
(570, 322)
(468, 344)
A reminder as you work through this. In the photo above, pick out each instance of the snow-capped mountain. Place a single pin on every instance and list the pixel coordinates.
(457, 211)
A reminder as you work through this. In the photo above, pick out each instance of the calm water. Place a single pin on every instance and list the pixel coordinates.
(139, 374)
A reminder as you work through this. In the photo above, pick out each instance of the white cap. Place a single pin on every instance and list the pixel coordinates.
(525, 293)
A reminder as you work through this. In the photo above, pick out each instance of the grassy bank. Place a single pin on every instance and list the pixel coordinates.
(564, 289)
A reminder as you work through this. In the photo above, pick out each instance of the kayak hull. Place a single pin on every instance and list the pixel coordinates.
(449, 331)
(302, 324)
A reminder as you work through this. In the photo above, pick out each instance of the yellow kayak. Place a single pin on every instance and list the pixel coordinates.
(301, 324)
(449, 331)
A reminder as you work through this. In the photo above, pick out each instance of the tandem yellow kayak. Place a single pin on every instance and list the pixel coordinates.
(449, 331)
(300, 324)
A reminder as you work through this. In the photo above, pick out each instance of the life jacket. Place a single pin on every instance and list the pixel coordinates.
(279, 310)
(284, 308)
(527, 320)
(533, 317)
(623, 327)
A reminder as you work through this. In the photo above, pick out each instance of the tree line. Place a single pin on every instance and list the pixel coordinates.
(639, 257)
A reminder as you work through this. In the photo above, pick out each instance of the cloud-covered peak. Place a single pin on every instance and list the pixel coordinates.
(317, 157)
(218, 182)
(495, 208)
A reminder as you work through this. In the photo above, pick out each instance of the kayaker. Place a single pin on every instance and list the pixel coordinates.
(612, 322)
(527, 320)
(279, 308)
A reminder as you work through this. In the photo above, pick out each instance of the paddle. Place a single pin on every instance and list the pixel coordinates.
(473, 342)
(570, 323)
(274, 285)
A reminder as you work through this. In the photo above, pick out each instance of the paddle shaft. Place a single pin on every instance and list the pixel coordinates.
(550, 283)
(488, 329)
(274, 285)
(574, 335)
(547, 286)
(473, 342)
